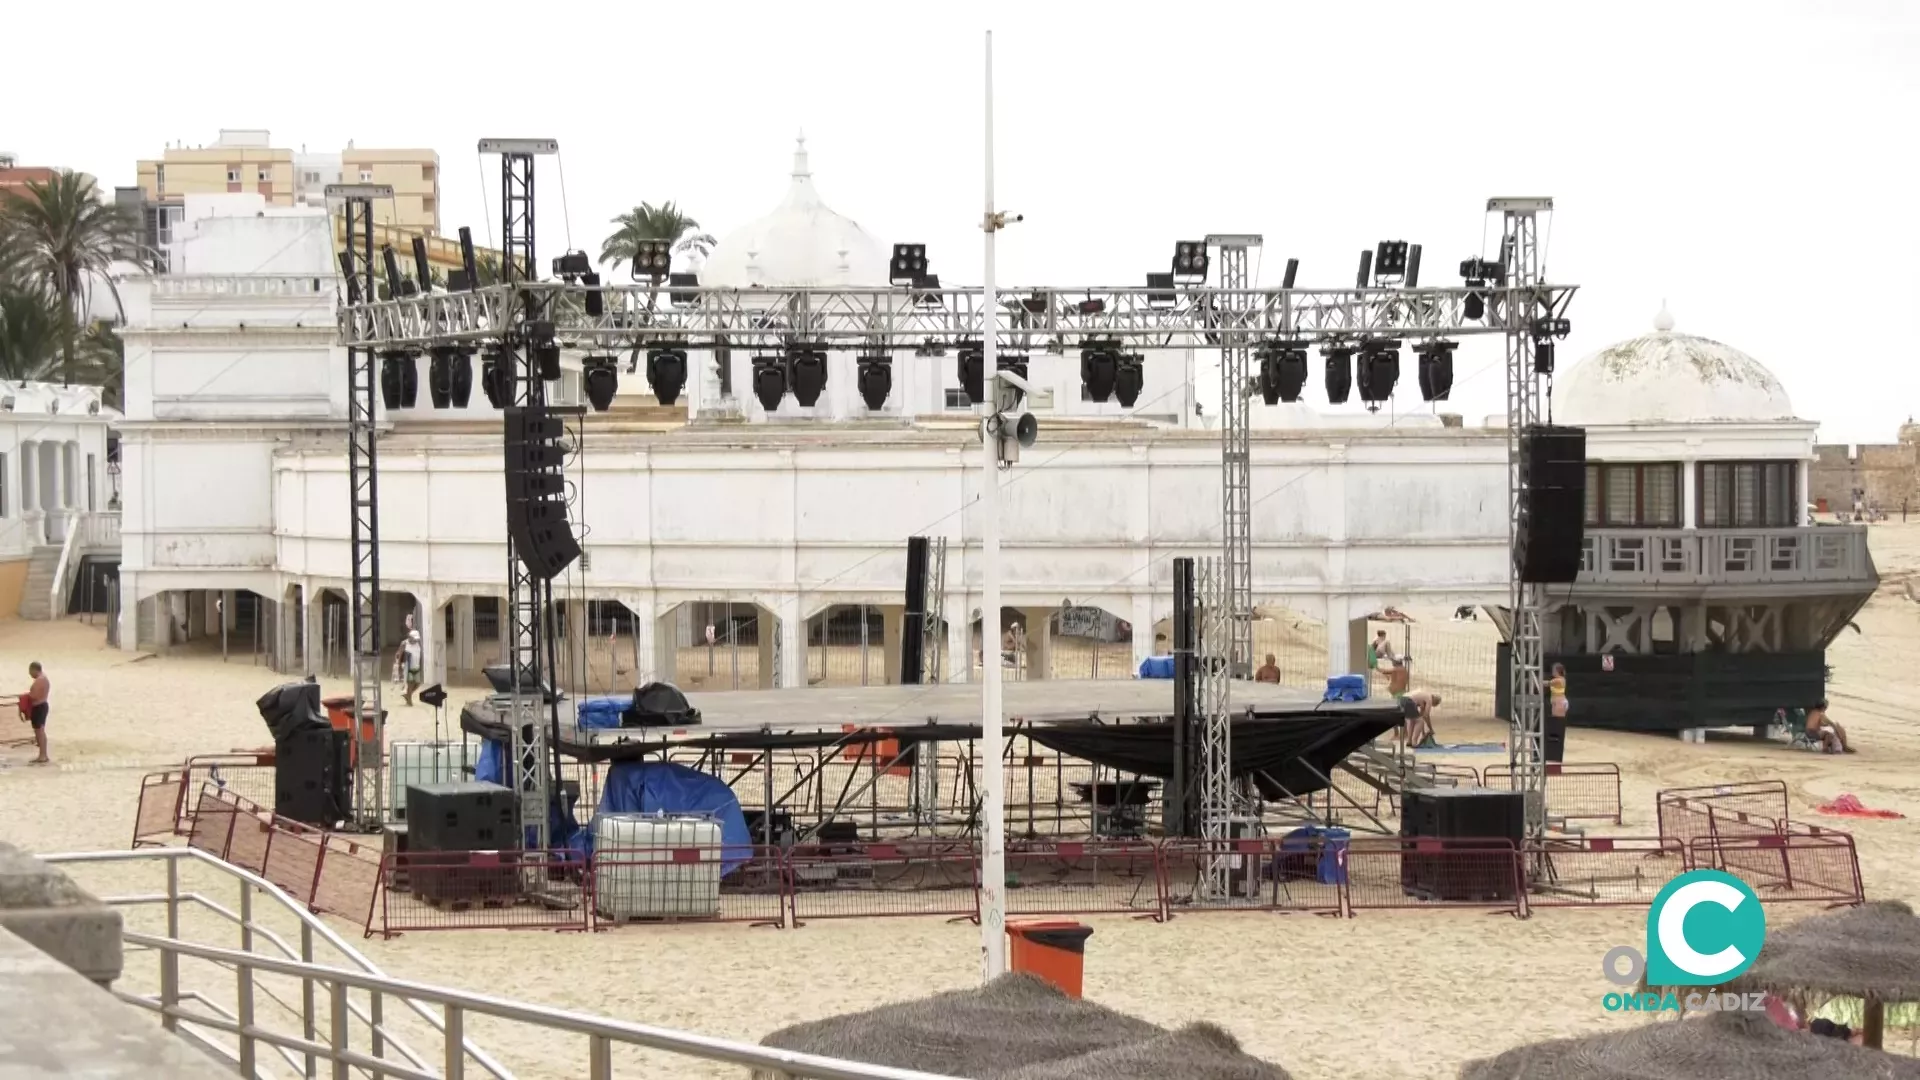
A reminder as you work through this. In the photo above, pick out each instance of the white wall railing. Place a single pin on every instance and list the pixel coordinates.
(1819, 553)
(329, 1013)
(102, 530)
(204, 286)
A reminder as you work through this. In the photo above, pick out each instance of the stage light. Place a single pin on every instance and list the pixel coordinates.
(1474, 308)
(1283, 373)
(1543, 356)
(433, 696)
(460, 386)
(1558, 328)
(1190, 260)
(769, 380)
(807, 372)
(1477, 273)
(571, 265)
(397, 286)
(1339, 360)
(1129, 377)
(908, 265)
(1379, 369)
(1365, 277)
(683, 299)
(596, 304)
(1016, 363)
(1390, 259)
(667, 371)
(875, 379)
(1091, 306)
(652, 259)
(468, 265)
(440, 375)
(1413, 267)
(1436, 369)
(1293, 267)
(600, 375)
(1099, 364)
(971, 364)
(931, 297)
(422, 271)
(1160, 290)
(399, 379)
(496, 375)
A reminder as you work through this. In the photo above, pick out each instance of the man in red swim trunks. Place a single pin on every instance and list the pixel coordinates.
(37, 710)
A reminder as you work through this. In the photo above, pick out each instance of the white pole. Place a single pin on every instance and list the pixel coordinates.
(993, 850)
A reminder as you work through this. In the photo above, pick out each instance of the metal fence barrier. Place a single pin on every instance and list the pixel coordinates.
(158, 816)
(1576, 791)
(1082, 878)
(693, 883)
(1427, 873)
(1687, 813)
(482, 890)
(1602, 871)
(878, 880)
(1793, 867)
(1280, 874)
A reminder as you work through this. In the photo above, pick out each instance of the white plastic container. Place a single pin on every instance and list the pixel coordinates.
(652, 866)
(411, 764)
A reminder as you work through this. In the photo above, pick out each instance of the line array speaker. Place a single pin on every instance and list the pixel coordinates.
(1553, 504)
(536, 491)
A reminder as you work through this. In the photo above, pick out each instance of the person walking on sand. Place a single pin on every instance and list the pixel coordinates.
(38, 696)
(410, 656)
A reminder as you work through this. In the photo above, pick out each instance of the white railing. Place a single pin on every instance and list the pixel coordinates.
(196, 1016)
(57, 592)
(102, 530)
(1819, 553)
(205, 286)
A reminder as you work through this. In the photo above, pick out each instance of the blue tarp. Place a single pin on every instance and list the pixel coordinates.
(663, 787)
(1157, 667)
(602, 712)
(1330, 865)
(563, 831)
(1346, 688)
(492, 766)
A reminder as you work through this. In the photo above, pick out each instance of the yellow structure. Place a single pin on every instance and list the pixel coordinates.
(246, 161)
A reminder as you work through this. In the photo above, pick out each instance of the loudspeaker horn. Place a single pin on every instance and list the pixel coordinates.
(1025, 429)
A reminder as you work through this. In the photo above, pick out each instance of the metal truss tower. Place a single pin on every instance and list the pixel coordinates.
(1525, 302)
(363, 485)
(933, 637)
(1236, 462)
(529, 645)
(1214, 763)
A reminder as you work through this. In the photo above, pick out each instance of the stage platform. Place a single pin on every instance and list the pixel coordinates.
(1043, 701)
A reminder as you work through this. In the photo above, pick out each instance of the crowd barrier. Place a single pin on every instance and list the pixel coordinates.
(328, 872)
(1601, 870)
(1576, 791)
(1686, 814)
(1812, 866)
(158, 817)
(249, 776)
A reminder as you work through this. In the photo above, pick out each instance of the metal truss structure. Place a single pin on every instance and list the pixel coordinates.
(933, 636)
(363, 485)
(1213, 595)
(1234, 317)
(1520, 254)
(529, 596)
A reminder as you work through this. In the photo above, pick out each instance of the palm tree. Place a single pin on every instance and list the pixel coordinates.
(31, 332)
(649, 222)
(62, 234)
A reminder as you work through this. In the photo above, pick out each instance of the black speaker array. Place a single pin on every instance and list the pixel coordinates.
(1553, 504)
(313, 777)
(913, 628)
(536, 491)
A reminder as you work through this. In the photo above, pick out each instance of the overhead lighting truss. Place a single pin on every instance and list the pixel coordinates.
(635, 316)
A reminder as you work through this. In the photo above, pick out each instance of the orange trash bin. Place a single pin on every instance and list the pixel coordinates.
(1054, 950)
(340, 717)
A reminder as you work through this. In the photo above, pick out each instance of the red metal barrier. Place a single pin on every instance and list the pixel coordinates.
(161, 795)
(1687, 813)
(212, 822)
(481, 890)
(1262, 874)
(1465, 775)
(1421, 872)
(872, 880)
(695, 883)
(249, 776)
(1804, 865)
(1600, 871)
(1576, 791)
(348, 881)
(1082, 878)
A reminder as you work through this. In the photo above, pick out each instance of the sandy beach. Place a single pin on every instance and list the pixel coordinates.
(1386, 995)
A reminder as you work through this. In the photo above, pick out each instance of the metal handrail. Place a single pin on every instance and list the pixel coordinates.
(310, 927)
(601, 1033)
(57, 594)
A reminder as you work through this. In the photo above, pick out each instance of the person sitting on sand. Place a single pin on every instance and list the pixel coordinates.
(1821, 729)
(1417, 707)
(1269, 672)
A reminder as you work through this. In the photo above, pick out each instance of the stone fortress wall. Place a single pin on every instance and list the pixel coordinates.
(1886, 474)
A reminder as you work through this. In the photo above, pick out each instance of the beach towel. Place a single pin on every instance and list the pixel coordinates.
(1850, 806)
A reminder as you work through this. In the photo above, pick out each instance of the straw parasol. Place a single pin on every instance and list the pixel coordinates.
(1871, 951)
(1195, 1052)
(1020, 1028)
(1720, 1046)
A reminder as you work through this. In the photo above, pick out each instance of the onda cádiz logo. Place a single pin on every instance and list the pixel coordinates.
(1704, 928)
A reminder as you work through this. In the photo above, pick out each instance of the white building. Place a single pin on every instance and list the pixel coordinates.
(57, 493)
(234, 450)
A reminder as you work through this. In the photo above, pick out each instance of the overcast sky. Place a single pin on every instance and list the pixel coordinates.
(1751, 163)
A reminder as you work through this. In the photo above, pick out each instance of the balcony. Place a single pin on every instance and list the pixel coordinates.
(198, 287)
(1722, 557)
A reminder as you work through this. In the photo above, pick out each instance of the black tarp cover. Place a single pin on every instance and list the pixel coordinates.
(1284, 753)
(292, 707)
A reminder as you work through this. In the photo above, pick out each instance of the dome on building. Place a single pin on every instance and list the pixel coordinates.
(1669, 378)
(802, 242)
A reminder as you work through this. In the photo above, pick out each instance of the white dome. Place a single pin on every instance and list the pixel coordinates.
(801, 243)
(1669, 378)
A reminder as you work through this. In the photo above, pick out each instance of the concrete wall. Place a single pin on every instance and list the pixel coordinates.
(13, 582)
(1887, 474)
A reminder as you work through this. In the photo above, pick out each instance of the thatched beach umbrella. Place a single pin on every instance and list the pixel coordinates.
(1720, 1046)
(1870, 952)
(1020, 1028)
